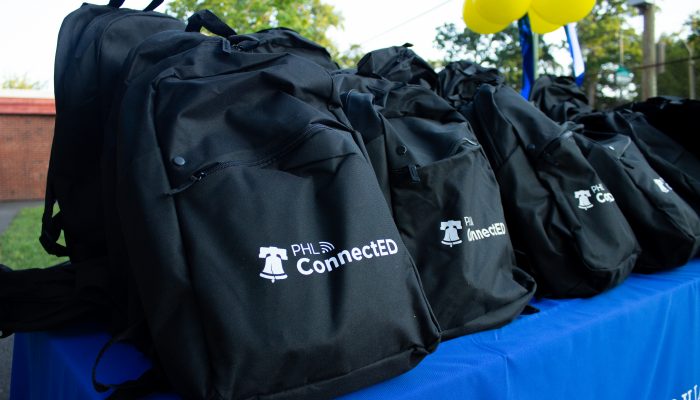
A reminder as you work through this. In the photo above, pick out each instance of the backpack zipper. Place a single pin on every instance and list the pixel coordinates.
(220, 166)
(203, 173)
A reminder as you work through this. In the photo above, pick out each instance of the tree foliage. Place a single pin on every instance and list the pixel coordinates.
(501, 50)
(311, 18)
(673, 79)
(693, 24)
(600, 35)
(21, 82)
(350, 57)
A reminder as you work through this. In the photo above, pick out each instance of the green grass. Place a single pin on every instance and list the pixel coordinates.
(19, 244)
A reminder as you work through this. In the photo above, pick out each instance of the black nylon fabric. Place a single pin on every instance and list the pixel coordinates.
(574, 247)
(52, 298)
(71, 29)
(92, 45)
(443, 194)
(76, 166)
(267, 168)
(666, 227)
(674, 116)
(398, 64)
(271, 40)
(559, 98)
(676, 165)
(459, 81)
(284, 40)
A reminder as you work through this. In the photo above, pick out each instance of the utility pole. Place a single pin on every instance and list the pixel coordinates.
(536, 52)
(646, 8)
(691, 70)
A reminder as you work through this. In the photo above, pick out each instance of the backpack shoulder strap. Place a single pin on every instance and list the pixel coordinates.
(51, 226)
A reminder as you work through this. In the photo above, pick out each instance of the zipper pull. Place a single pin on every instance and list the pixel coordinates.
(413, 171)
(194, 178)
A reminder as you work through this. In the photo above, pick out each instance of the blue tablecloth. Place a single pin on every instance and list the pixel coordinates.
(638, 341)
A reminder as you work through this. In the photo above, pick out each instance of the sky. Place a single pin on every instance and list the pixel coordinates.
(29, 48)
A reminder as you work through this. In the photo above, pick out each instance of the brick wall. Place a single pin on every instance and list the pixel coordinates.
(26, 132)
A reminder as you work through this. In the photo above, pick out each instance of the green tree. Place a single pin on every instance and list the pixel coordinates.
(599, 36)
(501, 50)
(21, 82)
(693, 24)
(602, 34)
(311, 18)
(349, 58)
(673, 79)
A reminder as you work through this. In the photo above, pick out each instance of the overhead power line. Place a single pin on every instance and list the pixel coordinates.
(680, 60)
(406, 21)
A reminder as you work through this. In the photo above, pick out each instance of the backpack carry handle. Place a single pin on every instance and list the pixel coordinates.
(51, 225)
(150, 7)
(209, 20)
(151, 381)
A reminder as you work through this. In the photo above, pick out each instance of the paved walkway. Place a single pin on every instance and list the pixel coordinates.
(8, 210)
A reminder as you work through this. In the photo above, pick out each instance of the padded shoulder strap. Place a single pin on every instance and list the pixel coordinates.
(51, 226)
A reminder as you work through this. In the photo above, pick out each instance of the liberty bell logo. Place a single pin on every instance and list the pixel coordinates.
(582, 196)
(451, 235)
(273, 263)
(663, 186)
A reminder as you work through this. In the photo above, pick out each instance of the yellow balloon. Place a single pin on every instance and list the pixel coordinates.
(476, 22)
(560, 12)
(539, 25)
(502, 11)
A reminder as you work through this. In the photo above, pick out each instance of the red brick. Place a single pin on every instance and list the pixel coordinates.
(25, 147)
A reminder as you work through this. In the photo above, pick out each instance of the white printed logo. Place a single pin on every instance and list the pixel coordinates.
(583, 202)
(451, 237)
(273, 263)
(663, 186)
(451, 228)
(375, 248)
(311, 261)
(602, 196)
(326, 247)
(309, 249)
(495, 229)
(692, 394)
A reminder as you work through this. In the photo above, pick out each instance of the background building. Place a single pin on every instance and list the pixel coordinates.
(26, 130)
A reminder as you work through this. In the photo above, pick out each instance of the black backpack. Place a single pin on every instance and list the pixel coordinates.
(460, 80)
(444, 199)
(256, 231)
(93, 42)
(666, 227)
(559, 97)
(674, 116)
(272, 40)
(566, 227)
(284, 40)
(676, 165)
(53, 298)
(398, 64)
